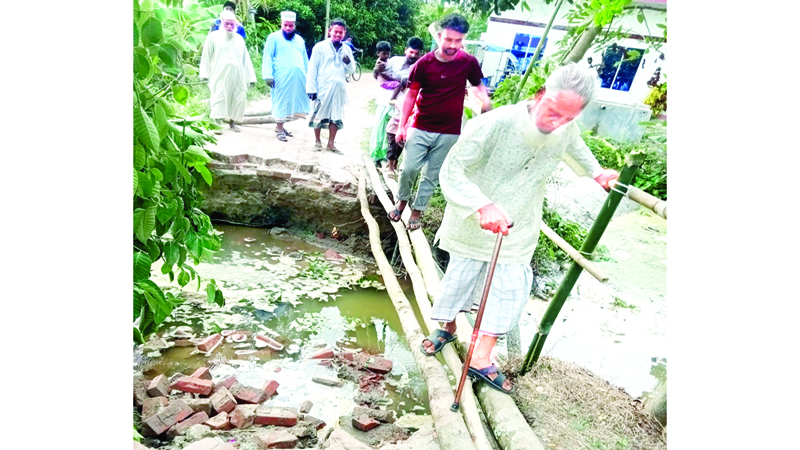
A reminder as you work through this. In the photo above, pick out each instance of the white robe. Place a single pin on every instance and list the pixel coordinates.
(227, 66)
(326, 72)
(286, 62)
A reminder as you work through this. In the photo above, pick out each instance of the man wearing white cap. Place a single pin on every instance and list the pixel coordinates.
(284, 68)
(227, 67)
(326, 85)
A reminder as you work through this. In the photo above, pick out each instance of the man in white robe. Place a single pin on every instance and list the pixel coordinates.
(284, 68)
(326, 85)
(227, 67)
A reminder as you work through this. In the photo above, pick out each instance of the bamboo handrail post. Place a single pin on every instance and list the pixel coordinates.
(633, 161)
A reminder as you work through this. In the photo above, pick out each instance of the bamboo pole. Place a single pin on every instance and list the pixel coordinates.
(469, 405)
(654, 204)
(574, 254)
(258, 119)
(450, 428)
(632, 163)
(537, 52)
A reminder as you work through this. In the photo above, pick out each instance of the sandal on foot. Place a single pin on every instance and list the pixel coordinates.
(282, 137)
(437, 344)
(413, 225)
(483, 374)
(286, 132)
(318, 146)
(395, 215)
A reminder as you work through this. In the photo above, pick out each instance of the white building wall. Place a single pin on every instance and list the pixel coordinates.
(502, 34)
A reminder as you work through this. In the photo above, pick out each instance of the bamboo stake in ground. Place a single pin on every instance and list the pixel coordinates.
(632, 163)
(469, 405)
(450, 427)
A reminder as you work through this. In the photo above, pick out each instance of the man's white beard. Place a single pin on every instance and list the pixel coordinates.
(228, 34)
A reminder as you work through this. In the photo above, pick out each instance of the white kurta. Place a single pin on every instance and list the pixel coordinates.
(326, 72)
(286, 62)
(502, 158)
(227, 66)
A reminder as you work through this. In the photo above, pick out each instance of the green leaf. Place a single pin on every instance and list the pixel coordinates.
(218, 298)
(196, 154)
(156, 301)
(141, 66)
(135, 34)
(144, 222)
(144, 128)
(204, 173)
(141, 266)
(152, 32)
(153, 250)
(186, 175)
(139, 157)
(137, 338)
(166, 268)
(146, 5)
(189, 69)
(156, 175)
(193, 244)
(146, 323)
(640, 16)
(180, 94)
(164, 214)
(211, 291)
(167, 106)
(162, 125)
(168, 54)
(145, 184)
(135, 180)
(138, 299)
(183, 278)
(171, 252)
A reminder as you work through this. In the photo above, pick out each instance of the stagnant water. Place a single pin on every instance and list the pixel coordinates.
(282, 285)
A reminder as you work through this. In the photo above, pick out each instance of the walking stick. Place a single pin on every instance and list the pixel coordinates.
(477, 327)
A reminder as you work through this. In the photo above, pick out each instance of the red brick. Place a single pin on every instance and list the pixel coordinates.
(158, 387)
(306, 407)
(227, 383)
(194, 419)
(266, 415)
(323, 354)
(276, 439)
(365, 423)
(243, 416)
(153, 406)
(183, 343)
(200, 404)
(140, 392)
(349, 356)
(271, 388)
(209, 343)
(223, 401)
(325, 363)
(380, 365)
(176, 411)
(318, 423)
(202, 373)
(248, 394)
(277, 369)
(332, 254)
(193, 385)
(219, 422)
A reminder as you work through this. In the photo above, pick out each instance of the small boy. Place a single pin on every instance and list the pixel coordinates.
(384, 51)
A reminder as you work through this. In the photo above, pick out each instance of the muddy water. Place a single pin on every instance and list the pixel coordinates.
(268, 288)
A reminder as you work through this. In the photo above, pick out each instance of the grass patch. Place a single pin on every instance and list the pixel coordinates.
(570, 408)
(620, 303)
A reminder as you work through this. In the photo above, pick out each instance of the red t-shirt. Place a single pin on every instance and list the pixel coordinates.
(442, 88)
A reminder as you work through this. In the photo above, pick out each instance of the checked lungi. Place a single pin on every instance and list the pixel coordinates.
(462, 287)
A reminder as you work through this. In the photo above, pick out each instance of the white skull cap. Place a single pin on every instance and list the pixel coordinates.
(289, 16)
(227, 15)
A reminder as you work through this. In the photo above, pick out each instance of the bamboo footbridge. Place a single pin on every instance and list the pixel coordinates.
(487, 419)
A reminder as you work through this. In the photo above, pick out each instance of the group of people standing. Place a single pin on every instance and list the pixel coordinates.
(493, 171)
(299, 85)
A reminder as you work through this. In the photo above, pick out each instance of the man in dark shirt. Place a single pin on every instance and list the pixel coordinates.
(437, 84)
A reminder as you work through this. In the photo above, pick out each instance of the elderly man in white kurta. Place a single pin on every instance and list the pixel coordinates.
(227, 67)
(495, 174)
(326, 85)
(284, 68)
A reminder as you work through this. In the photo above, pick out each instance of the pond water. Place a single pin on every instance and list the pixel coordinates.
(281, 284)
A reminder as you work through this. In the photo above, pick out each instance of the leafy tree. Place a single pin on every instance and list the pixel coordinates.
(169, 162)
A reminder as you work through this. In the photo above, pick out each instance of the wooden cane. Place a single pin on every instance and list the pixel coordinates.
(477, 327)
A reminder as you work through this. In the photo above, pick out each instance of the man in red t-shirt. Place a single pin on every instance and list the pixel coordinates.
(437, 85)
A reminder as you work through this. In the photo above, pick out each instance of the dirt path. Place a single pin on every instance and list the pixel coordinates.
(260, 140)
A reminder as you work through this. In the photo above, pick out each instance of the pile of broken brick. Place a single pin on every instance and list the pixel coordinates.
(170, 407)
